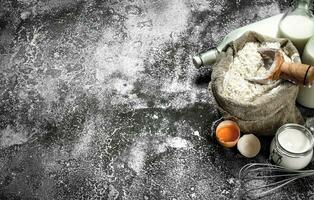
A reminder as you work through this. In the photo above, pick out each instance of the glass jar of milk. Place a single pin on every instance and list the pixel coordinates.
(298, 24)
(292, 146)
(306, 93)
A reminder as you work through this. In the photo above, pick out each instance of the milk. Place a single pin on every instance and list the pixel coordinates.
(306, 94)
(297, 28)
(294, 141)
(292, 147)
(268, 27)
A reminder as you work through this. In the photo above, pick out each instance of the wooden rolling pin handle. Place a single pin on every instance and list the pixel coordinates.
(298, 73)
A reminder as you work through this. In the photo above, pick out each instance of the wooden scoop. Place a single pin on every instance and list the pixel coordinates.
(295, 72)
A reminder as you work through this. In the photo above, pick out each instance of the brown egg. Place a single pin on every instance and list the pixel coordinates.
(249, 145)
(228, 133)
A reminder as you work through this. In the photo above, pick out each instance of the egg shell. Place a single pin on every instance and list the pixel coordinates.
(249, 145)
(228, 140)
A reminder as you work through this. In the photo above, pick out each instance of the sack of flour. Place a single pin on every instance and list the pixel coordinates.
(258, 109)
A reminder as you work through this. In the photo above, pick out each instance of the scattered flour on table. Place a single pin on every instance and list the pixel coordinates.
(177, 142)
(247, 63)
(173, 142)
(12, 136)
(82, 146)
(196, 133)
(136, 160)
(231, 181)
(141, 150)
(155, 117)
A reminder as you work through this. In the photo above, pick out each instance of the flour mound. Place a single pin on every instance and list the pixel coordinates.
(247, 63)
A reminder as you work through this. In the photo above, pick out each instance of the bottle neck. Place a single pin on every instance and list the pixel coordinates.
(304, 4)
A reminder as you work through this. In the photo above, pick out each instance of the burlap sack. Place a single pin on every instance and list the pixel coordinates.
(265, 114)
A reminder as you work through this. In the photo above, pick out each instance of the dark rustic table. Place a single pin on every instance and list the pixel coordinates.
(99, 100)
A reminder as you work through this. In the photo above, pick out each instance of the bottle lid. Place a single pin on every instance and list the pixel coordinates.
(197, 61)
(206, 58)
(305, 4)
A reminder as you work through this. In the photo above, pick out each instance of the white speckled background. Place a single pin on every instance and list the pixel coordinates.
(99, 100)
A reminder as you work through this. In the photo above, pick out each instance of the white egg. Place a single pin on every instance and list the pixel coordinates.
(249, 145)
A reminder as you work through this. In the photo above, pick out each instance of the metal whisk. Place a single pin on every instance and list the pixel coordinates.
(261, 179)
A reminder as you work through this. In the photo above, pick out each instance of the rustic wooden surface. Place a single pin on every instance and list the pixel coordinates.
(99, 100)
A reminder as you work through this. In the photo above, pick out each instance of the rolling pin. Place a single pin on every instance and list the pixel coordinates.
(297, 73)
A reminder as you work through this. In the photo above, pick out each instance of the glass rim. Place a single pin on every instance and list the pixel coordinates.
(301, 128)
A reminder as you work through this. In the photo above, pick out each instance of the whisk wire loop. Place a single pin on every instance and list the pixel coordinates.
(261, 179)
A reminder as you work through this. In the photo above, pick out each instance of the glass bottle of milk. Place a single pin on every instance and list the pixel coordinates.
(306, 94)
(268, 27)
(298, 24)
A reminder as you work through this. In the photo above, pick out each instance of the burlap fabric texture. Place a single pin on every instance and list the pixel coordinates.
(266, 113)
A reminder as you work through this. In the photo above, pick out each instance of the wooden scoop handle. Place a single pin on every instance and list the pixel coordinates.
(297, 72)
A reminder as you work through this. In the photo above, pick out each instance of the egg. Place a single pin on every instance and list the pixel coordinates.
(228, 133)
(249, 145)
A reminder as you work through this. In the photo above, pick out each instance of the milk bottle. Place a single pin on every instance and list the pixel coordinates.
(268, 27)
(306, 94)
(298, 24)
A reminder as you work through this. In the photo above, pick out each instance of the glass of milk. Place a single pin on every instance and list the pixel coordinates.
(306, 94)
(292, 146)
(298, 24)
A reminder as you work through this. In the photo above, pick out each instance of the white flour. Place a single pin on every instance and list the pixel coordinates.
(247, 63)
